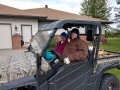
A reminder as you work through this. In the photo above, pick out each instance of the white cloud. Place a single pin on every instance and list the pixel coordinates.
(64, 5)
(21, 4)
(74, 1)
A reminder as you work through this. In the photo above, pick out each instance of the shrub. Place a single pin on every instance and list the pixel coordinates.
(52, 44)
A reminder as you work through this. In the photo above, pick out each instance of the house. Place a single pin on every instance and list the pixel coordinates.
(17, 25)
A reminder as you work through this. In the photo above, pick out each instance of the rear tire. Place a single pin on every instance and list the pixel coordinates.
(109, 82)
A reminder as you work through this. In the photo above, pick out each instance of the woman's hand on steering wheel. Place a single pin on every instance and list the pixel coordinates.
(58, 56)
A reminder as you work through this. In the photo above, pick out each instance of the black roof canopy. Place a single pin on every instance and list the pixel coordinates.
(67, 23)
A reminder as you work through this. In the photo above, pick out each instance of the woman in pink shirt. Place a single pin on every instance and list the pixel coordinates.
(59, 46)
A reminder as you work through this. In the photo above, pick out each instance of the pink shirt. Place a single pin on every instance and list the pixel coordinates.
(60, 47)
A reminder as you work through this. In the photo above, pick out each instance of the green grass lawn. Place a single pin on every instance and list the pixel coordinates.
(112, 44)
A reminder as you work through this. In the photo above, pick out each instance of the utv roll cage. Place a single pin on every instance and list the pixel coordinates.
(65, 24)
(85, 75)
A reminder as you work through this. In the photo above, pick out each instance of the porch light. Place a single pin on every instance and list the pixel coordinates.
(16, 30)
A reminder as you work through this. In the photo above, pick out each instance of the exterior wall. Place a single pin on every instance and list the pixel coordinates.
(103, 29)
(18, 23)
(41, 23)
(82, 31)
(36, 25)
(103, 38)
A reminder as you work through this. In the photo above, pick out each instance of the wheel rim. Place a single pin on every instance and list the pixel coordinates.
(111, 87)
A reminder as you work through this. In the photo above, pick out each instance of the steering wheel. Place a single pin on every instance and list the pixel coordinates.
(57, 56)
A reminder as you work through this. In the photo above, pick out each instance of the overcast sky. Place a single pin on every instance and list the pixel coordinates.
(72, 6)
(64, 5)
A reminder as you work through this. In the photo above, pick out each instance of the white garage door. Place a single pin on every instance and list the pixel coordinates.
(5, 36)
(26, 33)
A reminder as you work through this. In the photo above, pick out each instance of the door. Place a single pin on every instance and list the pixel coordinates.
(71, 77)
(5, 36)
(26, 33)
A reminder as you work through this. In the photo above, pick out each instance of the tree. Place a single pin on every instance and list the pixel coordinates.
(118, 1)
(96, 9)
(117, 16)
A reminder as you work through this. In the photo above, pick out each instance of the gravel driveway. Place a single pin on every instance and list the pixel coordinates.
(18, 63)
(5, 54)
(15, 64)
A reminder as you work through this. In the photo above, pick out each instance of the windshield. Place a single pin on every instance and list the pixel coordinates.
(40, 40)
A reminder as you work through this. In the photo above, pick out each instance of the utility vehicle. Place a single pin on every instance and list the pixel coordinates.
(89, 74)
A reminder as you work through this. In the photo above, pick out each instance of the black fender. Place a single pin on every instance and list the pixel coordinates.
(21, 82)
(99, 73)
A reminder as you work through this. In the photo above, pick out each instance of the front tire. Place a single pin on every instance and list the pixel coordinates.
(109, 82)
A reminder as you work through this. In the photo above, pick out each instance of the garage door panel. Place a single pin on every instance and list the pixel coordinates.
(5, 36)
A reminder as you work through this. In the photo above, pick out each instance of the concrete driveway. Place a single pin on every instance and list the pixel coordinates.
(6, 53)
